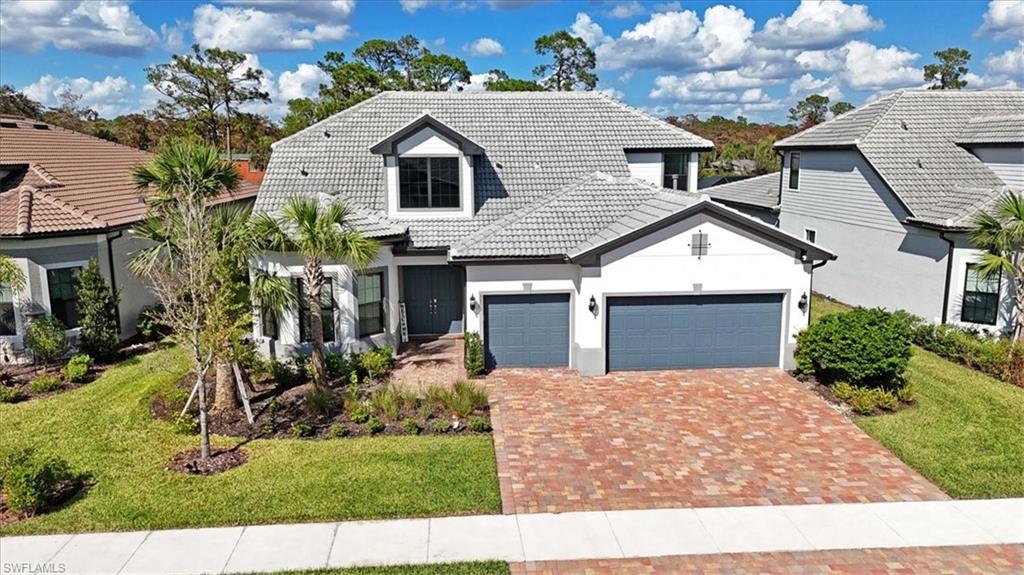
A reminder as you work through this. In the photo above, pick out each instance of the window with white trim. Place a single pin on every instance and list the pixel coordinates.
(674, 166)
(370, 293)
(794, 170)
(426, 183)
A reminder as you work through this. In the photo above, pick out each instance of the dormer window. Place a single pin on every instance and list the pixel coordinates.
(428, 183)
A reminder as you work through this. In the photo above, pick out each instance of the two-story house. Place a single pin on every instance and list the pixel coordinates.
(563, 227)
(894, 187)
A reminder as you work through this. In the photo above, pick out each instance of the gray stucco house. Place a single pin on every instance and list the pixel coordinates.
(566, 228)
(893, 187)
(66, 198)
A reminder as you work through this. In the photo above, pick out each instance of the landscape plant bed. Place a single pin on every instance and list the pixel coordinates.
(828, 394)
(220, 460)
(16, 378)
(65, 492)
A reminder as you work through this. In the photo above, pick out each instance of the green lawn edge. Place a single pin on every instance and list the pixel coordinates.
(966, 433)
(104, 429)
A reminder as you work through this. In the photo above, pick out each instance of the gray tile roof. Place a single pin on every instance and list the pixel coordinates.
(535, 143)
(594, 209)
(911, 138)
(1005, 129)
(759, 191)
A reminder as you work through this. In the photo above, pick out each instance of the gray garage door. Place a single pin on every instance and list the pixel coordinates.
(672, 332)
(526, 330)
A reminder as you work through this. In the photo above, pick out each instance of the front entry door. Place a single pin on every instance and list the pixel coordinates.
(433, 299)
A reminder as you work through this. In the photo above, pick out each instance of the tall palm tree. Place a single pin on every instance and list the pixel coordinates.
(1001, 235)
(317, 232)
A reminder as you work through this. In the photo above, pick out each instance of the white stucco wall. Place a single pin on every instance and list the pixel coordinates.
(649, 167)
(658, 264)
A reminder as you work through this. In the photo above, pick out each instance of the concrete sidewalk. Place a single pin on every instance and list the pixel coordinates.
(525, 537)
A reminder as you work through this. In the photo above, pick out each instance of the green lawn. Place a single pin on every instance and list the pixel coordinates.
(966, 433)
(488, 568)
(105, 429)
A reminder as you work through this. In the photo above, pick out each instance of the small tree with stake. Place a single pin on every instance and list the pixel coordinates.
(185, 265)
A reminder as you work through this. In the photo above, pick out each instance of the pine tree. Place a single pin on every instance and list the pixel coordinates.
(97, 313)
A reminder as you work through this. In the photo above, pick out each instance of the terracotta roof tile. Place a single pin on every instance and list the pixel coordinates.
(78, 182)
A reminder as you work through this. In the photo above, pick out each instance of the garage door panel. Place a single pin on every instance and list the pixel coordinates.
(526, 330)
(667, 332)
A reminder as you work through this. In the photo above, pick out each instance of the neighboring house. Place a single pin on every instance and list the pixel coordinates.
(245, 167)
(544, 222)
(66, 198)
(757, 196)
(894, 186)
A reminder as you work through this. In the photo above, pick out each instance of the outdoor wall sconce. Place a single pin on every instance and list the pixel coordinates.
(593, 305)
(802, 304)
(472, 303)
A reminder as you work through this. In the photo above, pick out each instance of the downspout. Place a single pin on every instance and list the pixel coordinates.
(949, 276)
(113, 276)
(810, 296)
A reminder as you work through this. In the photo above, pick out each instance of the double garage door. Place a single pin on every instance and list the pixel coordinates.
(650, 332)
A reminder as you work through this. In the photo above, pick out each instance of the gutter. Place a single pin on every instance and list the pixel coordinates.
(949, 276)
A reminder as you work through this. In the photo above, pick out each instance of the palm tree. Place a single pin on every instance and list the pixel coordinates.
(317, 232)
(186, 268)
(1001, 235)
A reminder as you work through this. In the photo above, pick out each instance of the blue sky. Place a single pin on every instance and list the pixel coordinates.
(749, 58)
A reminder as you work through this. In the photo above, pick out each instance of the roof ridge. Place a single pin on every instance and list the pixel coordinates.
(882, 116)
(51, 180)
(340, 114)
(643, 114)
(895, 95)
(24, 216)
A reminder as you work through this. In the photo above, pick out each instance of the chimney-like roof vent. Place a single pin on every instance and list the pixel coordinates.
(41, 126)
(9, 124)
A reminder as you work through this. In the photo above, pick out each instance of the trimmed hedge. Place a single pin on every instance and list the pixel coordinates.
(991, 355)
(865, 347)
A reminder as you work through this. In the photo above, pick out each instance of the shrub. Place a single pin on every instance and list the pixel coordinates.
(282, 373)
(885, 399)
(248, 357)
(321, 403)
(1015, 368)
(906, 394)
(301, 366)
(359, 414)
(9, 394)
(44, 337)
(31, 480)
(441, 426)
(863, 401)
(386, 403)
(843, 391)
(337, 365)
(464, 398)
(97, 313)
(410, 426)
(77, 368)
(148, 324)
(478, 423)
(44, 383)
(337, 430)
(989, 354)
(374, 425)
(377, 361)
(861, 346)
(473, 357)
(301, 430)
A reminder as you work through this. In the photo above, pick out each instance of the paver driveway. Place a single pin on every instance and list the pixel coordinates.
(695, 438)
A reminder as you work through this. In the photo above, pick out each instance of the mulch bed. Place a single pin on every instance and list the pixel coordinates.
(282, 411)
(190, 462)
(825, 392)
(65, 492)
(18, 376)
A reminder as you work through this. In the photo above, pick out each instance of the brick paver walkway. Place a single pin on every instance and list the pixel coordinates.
(698, 438)
(422, 363)
(977, 559)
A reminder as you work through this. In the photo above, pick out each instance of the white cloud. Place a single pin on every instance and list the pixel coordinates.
(612, 93)
(107, 27)
(173, 37)
(1009, 63)
(976, 82)
(808, 84)
(476, 84)
(1004, 18)
(274, 25)
(675, 6)
(817, 24)
(705, 87)
(820, 60)
(677, 41)
(303, 82)
(111, 96)
(627, 10)
(413, 6)
(868, 67)
(484, 47)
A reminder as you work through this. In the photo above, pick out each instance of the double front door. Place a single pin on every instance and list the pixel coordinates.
(433, 299)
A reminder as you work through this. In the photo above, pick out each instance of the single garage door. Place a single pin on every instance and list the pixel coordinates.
(674, 332)
(526, 330)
